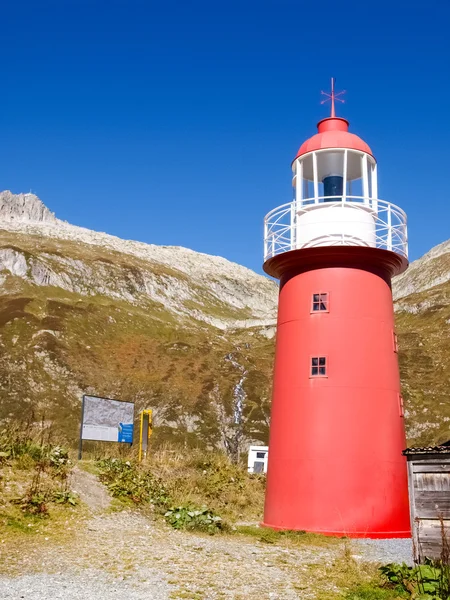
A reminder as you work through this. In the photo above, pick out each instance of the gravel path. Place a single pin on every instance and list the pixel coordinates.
(92, 584)
(385, 551)
(111, 555)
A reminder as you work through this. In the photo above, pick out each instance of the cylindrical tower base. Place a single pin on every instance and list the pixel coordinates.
(336, 438)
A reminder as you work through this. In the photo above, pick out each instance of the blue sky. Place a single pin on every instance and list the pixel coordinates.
(176, 122)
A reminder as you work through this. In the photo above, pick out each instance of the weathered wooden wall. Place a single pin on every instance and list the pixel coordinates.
(429, 493)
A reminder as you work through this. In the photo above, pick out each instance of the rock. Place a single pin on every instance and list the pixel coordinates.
(23, 208)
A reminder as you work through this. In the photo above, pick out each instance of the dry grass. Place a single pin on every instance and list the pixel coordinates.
(211, 479)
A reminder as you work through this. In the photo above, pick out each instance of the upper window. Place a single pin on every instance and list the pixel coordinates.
(318, 366)
(320, 302)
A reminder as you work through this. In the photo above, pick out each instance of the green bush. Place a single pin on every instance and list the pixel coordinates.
(189, 517)
(425, 581)
(126, 481)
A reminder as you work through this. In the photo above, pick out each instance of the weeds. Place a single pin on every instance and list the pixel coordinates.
(198, 478)
(49, 467)
(428, 580)
(288, 537)
(185, 517)
(431, 579)
(128, 481)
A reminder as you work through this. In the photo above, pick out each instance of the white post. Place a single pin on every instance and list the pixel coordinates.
(266, 248)
(365, 179)
(299, 182)
(293, 224)
(344, 182)
(316, 179)
(389, 223)
(374, 187)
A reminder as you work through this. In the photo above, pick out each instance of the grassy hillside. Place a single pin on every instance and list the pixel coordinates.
(423, 323)
(55, 345)
(78, 318)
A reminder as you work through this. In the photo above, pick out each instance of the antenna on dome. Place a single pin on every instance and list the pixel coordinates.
(333, 96)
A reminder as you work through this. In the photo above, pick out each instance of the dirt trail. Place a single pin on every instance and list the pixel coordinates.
(108, 555)
(90, 490)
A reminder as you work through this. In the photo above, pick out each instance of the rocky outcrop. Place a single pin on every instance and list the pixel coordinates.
(50, 252)
(23, 208)
(426, 272)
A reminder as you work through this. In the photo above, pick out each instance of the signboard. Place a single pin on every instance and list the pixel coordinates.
(107, 420)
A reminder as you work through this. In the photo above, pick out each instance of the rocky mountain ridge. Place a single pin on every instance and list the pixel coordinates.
(187, 334)
(227, 283)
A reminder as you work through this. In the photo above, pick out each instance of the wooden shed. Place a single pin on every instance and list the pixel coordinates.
(429, 496)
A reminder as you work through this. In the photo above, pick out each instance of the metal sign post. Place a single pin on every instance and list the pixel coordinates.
(145, 433)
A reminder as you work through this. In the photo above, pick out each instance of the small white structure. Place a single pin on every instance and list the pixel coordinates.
(257, 459)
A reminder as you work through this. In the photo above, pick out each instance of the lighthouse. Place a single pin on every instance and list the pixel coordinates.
(337, 427)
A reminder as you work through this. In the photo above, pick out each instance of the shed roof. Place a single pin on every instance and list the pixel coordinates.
(443, 448)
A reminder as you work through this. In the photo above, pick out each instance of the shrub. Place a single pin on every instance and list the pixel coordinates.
(48, 467)
(125, 480)
(189, 517)
(429, 580)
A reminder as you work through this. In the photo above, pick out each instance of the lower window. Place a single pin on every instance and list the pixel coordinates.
(318, 366)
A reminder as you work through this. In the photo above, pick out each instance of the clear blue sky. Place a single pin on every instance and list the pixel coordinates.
(176, 122)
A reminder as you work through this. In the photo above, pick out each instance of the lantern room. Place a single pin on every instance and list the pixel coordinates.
(336, 199)
(335, 187)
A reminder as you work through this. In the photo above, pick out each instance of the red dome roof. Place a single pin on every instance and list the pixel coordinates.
(333, 133)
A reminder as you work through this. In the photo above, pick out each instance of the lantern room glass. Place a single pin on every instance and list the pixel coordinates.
(335, 175)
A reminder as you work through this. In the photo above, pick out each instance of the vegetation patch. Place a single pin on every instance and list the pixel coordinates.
(130, 482)
(286, 537)
(191, 518)
(428, 580)
(34, 483)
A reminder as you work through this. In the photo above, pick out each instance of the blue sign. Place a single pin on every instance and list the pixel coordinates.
(126, 433)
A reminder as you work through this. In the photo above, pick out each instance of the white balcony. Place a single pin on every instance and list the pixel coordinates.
(325, 221)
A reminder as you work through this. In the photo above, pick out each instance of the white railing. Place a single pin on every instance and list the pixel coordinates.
(283, 225)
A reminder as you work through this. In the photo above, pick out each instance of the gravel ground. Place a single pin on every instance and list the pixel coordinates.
(110, 555)
(92, 585)
(385, 551)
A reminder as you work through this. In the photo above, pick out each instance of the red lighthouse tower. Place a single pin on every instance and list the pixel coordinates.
(337, 431)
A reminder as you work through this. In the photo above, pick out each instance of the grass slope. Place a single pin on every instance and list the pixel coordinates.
(56, 345)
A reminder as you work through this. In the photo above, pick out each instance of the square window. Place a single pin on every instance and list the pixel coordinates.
(260, 455)
(318, 366)
(319, 302)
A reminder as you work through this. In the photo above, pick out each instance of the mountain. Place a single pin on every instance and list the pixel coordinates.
(187, 334)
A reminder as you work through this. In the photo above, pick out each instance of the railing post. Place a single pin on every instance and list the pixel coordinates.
(265, 239)
(293, 224)
(405, 243)
(389, 235)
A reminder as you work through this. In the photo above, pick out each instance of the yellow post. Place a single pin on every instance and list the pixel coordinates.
(145, 432)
